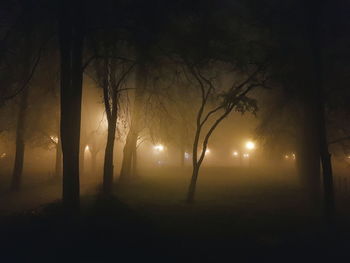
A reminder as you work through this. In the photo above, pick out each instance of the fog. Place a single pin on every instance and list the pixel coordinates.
(228, 164)
(174, 131)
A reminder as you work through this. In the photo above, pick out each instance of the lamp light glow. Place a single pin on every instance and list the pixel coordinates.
(250, 145)
(158, 148)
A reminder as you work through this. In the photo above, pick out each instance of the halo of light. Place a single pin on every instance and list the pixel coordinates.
(158, 147)
(250, 145)
(54, 138)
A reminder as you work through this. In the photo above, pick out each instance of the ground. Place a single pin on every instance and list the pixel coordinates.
(241, 214)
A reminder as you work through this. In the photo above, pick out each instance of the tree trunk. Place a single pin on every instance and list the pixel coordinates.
(131, 139)
(129, 149)
(134, 160)
(192, 188)
(93, 162)
(58, 165)
(308, 160)
(195, 168)
(71, 48)
(314, 18)
(82, 159)
(20, 144)
(108, 160)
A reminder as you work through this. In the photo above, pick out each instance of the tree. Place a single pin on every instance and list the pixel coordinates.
(315, 12)
(112, 72)
(22, 116)
(20, 142)
(71, 38)
(221, 63)
(130, 147)
(234, 96)
(301, 71)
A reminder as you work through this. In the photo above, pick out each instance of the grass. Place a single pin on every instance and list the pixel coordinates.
(242, 214)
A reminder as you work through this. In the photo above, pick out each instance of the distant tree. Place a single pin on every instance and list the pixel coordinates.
(112, 71)
(20, 142)
(24, 67)
(136, 122)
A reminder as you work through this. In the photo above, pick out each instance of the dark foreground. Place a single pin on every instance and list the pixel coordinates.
(242, 219)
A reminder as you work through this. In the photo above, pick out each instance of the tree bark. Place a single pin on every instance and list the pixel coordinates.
(108, 160)
(129, 149)
(134, 160)
(131, 139)
(192, 188)
(314, 17)
(58, 165)
(308, 160)
(71, 37)
(82, 158)
(20, 143)
(93, 162)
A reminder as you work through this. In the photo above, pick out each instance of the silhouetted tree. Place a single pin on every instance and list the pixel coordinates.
(233, 97)
(130, 148)
(71, 38)
(112, 72)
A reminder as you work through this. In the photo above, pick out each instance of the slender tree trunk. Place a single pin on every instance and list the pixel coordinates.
(329, 202)
(82, 159)
(129, 149)
(134, 160)
(195, 168)
(71, 48)
(58, 165)
(108, 161)
(20, 143)
(192, 188)
(131, 139)
(198, 162)
(93, 162)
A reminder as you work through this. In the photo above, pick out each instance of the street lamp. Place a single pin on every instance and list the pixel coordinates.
(250, 145)
(159, 148)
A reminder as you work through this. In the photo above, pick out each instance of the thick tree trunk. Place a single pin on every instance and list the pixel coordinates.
(308, 160)
(20, 143)
(71, 48)
(108, 160)
(315, 15)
